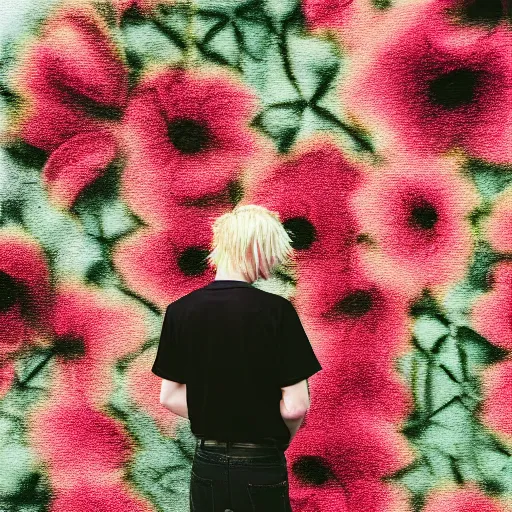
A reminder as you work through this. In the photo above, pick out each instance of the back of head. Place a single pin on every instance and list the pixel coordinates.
(247, 237)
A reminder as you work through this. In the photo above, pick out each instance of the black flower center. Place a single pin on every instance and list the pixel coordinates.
(192, 261)
(10, 292)
(454, 88)
(355, 304)
(313, 469)
(484, 12)
(423, 215)
(69, 347)
(189, 136)
(301, 231)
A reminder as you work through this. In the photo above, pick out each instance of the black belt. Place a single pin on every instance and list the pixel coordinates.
(240, 444)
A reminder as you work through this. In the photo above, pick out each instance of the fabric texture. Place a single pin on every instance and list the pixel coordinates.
(380, 131)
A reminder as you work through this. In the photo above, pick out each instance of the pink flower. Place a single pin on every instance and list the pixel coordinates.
(419, 89)
(496, 407)
(26, 294)
(491, 312)
(186, 136)
(164, 264)
(497, 227)
(75, 87)
(414, 212)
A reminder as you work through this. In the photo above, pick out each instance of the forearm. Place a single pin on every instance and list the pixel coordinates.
(178, 403)
(292, 422)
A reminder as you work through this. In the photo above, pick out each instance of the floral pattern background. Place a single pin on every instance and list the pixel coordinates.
(380, 130)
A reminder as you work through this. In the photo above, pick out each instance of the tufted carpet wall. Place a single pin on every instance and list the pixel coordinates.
(380, 130)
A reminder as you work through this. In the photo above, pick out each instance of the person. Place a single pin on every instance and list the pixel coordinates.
(235, 360)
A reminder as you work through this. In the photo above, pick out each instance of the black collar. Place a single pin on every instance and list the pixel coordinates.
(227, 283)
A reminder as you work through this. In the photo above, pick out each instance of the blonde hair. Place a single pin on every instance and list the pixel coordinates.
(238, 234)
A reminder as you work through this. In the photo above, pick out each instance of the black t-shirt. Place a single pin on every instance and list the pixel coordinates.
(234, 346)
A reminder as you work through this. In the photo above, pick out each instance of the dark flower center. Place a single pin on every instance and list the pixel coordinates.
(301, 231)
(355, 304)
(454, 88)
(313, 469)
(69, 347)
(192, 261)
(189, 136)
(10, 292)
(423, 215)
(485, 12)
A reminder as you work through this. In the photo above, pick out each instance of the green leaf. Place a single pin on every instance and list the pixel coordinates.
(479, 352)
(480, 267)
(490, 179)
(146, 42)
(281, 122)
(26, 155)
(315, 64)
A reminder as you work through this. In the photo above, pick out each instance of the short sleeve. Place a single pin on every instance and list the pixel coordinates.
(296, 358)
(169, 362)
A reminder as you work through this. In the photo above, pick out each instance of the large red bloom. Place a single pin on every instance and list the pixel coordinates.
(496, 407)
(75, 86)
(491, 313)
(415, 213)
(162, 265)
(186, 136)
(25, 297)
(78, 443)
(93, 328)
(497, 227)
(420, 88)
(310, 188)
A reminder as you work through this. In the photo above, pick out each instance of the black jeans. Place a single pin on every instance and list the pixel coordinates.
(236, 479)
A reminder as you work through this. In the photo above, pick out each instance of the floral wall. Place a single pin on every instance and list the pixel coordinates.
(380, 130)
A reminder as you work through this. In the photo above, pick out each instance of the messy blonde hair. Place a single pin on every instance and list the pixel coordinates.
(239, 233)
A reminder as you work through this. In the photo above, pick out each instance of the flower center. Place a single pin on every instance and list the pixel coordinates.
(10, 292)
(423, 215)
(188, 136)
(356, 303)
(454, 88)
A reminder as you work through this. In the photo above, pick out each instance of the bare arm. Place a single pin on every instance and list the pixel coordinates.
(294, 405)
(292, 422)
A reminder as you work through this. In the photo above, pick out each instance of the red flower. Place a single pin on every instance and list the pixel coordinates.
(415, 213)
(75, 87)
(346, 453)
(496, 407)
(93, 328)
(420, 88)
(187, 136)
(310, 188)
(79, 444)
(25, 290)
(352, 22)
(492, 311)
(497, 227)
(163, 265)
